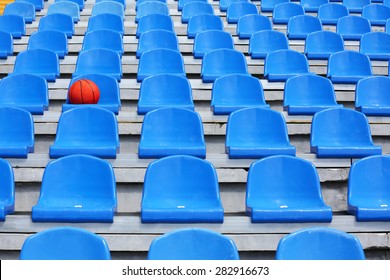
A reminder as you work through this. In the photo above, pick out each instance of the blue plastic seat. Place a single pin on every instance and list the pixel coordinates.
(355, 6)
(13, 24)
(106, 21)
(182, 3)
(257, 133)
(195, 8)
(99, 61)
(172, 131)
(203, 22)
(321, 44)
(157, 39)
(109, 93)
(312, 5)
(282, 64)
(7, 190)
(319, 243)
(110, 7)
(352, 27)
(298, 27)
(284, 189)
(193, 244)
(164, 90)
(376, 45)
(103, 39)
(65, 7)
(6, 44)
(123, 2)
(182, 178)
(160, 61)
(286, 10)
(52, 40)
(236, 91)
(348, 67)
(221, 62)
(38, 4)
(372, 96)
(17, 132)
(377, 14)
(88, 130)
(331, 12)
(22, 8)
(224, 4)
(77, 188)
(307, 94)
(269, 5)
(59, 22)
(80, 3)
(368, 189)
(264, 42)
(341, 133)
(249, 24)
(65, 243)
(154, 21)
(151, 7)
(211, 40)
(40, 62)
(26, 91)
(138, 2)
(239, 9)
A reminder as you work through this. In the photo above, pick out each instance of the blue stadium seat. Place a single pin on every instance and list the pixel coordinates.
(80, 3)
(330, 13)
(236, 91)
(151, 7)
(110, 7)
(368, 189)
(257, 133)
(211, 40)
(269, 5)
(203, 22)
(264, 42)
(372, 96)
(355, 6)
(123, 2)
(377, 14)
(26, 91)
(182, 178)
(348, 67)
(77, 188)
(90, 130)
(65, 7)
(154, 21)
(282, 64)
(7, 190)
(220, 62)
(103, 39)
(249, 24)
(17, 132)
(65, 243)
(239, 9)
(109, 93)
(341, 133)
(172, 131)
(376, 45)
(312, 5)
(40, 62)
(59, 22)
(224, 4)
(182, 3)
(286, 10)
(138, 2)
(319, 243)
(13, 24)
(321, 44)
(352, 27)
(164, 90)
(284, 189)
(193, 244)
(99, 61)
(307, 94)
(106, 21)
(52, 40)
(38, 4)
(22, 8)
(298, 27)
(6, 44)
(157, 39)
(160, 61)
(195, 8)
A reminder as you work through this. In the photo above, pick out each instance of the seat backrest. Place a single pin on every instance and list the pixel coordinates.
(6, 44)
(269, 5)
(331, 12)
(151, 7)
(372, 92)
(376, 45)
(38, 4)
(224, 4)
(249, 24)
(321, 44)
(65, 7)
(312, 5)
(103, 38)
(111, 7)
(352, 27)
(355, 6)
(53, 40)
(24, 9)
(106, 21)
(80, 3)
(349, 63)
(157, 39)
(203, 22)
(154, 21)
(138, 2)
(266, 41)
(193, 244)
(319, 243)
(377, 14)
(239, 9)
(13, 24)
(195, 8)
(210, 40)
(7, 189)
(59, 22)
(286, 10)
(285, 61)
(298, 27)
(65, 243)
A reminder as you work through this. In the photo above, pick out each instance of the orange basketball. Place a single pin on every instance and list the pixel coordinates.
(83, 91)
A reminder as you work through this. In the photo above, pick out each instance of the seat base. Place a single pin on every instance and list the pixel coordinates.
(303, 215)
(346, 152)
